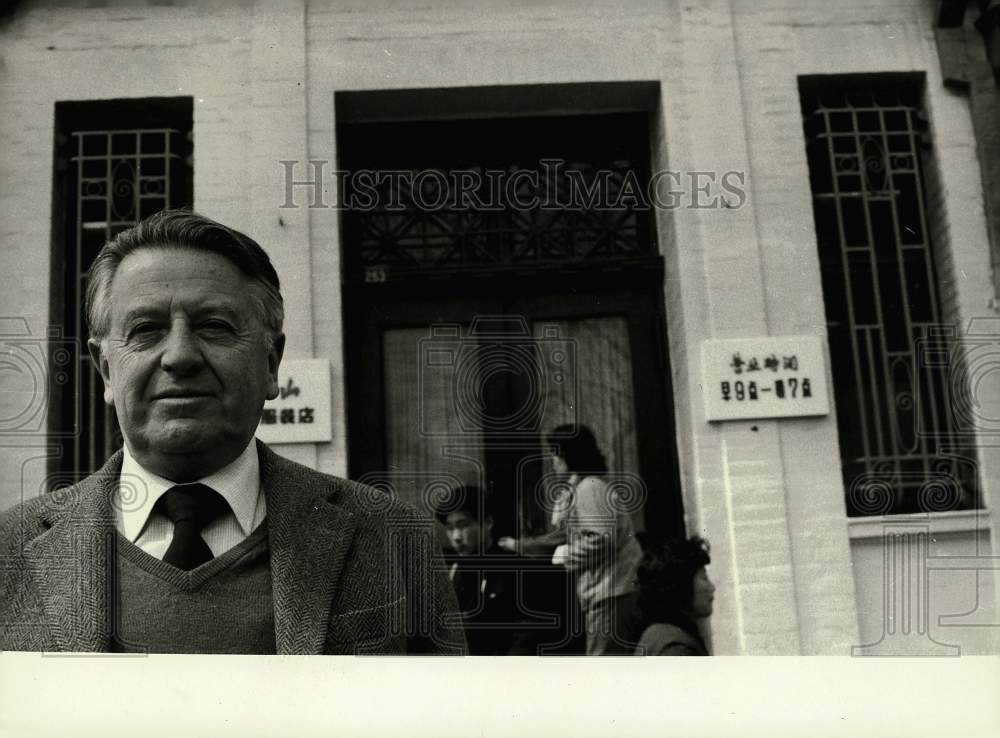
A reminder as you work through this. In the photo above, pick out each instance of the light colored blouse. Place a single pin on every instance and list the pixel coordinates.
(603, 551)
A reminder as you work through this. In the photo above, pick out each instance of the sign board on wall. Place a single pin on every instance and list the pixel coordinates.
(781, 376)
(301, 411)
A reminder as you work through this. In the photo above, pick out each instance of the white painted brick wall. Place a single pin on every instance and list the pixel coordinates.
(208, 52)
(768, 495)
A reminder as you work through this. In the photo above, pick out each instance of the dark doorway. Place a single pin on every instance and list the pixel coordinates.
(473, 330)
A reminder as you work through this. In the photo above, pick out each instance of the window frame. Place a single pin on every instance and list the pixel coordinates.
(76, 394)
(905, 389)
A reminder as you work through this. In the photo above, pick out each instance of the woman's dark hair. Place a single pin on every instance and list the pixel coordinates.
(577, 446)
(666, 576)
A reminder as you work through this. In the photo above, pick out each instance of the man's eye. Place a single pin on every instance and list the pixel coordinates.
(142, 329)
(215, 325)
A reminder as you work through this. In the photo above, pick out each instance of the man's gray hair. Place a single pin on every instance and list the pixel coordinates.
(186, 229)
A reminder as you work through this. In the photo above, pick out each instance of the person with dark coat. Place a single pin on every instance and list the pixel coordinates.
(195, 537)
(510, 605)
(674, 593)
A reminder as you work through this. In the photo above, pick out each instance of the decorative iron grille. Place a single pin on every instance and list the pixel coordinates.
(115, 178)
(495, 195)
(898, 443)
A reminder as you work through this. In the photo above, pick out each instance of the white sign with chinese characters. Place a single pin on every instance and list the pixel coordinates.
(781, 376)
(301, 411)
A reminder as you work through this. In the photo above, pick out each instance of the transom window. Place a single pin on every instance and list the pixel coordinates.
(425, 201)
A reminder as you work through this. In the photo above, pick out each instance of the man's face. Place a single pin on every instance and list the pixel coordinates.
(185, 362)
(465, 533)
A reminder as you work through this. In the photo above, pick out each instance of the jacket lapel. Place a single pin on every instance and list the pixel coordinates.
(70, 562)
(310, 537)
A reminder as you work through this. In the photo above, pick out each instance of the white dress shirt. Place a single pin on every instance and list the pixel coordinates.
(139, 489)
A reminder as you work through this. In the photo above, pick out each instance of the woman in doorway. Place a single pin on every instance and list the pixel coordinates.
(674, 593)
(600, 548)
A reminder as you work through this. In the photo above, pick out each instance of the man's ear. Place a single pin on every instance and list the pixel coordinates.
(273, 362)
(100, 359)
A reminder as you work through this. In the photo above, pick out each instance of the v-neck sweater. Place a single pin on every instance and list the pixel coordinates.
(223, 606)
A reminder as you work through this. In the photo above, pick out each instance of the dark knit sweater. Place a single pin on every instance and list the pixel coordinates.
(223, 606)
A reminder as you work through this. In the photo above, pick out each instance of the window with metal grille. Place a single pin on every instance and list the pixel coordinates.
(117, 162)
(489, 196)
(900, 451)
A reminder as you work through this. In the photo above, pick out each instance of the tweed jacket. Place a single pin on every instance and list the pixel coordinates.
(352, 569)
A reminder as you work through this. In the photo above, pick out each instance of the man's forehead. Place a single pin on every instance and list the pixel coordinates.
(215, 304)
(154, 268)
(172, 254)
(166, 278)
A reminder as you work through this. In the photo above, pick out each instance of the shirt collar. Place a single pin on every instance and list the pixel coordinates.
(139, 489)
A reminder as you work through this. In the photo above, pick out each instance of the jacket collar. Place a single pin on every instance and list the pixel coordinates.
(70, 561)
(309, 534)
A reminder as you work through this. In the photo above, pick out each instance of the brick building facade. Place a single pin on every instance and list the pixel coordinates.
(795, 573)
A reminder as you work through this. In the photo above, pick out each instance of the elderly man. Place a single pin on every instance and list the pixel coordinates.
(195, 538)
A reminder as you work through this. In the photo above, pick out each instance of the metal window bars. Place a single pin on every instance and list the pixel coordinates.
(442, 198)
(117, 178)
(894, 412)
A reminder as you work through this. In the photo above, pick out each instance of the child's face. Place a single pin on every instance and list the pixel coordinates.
(466, 534)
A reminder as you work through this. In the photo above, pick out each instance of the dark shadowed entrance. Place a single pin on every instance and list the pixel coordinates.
(487, 301)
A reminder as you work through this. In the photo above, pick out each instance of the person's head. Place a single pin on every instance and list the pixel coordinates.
(672, 578)
(185, 328)
(574, 450)
(467, 520)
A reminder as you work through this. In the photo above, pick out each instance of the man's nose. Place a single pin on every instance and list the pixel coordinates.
(181, 352)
